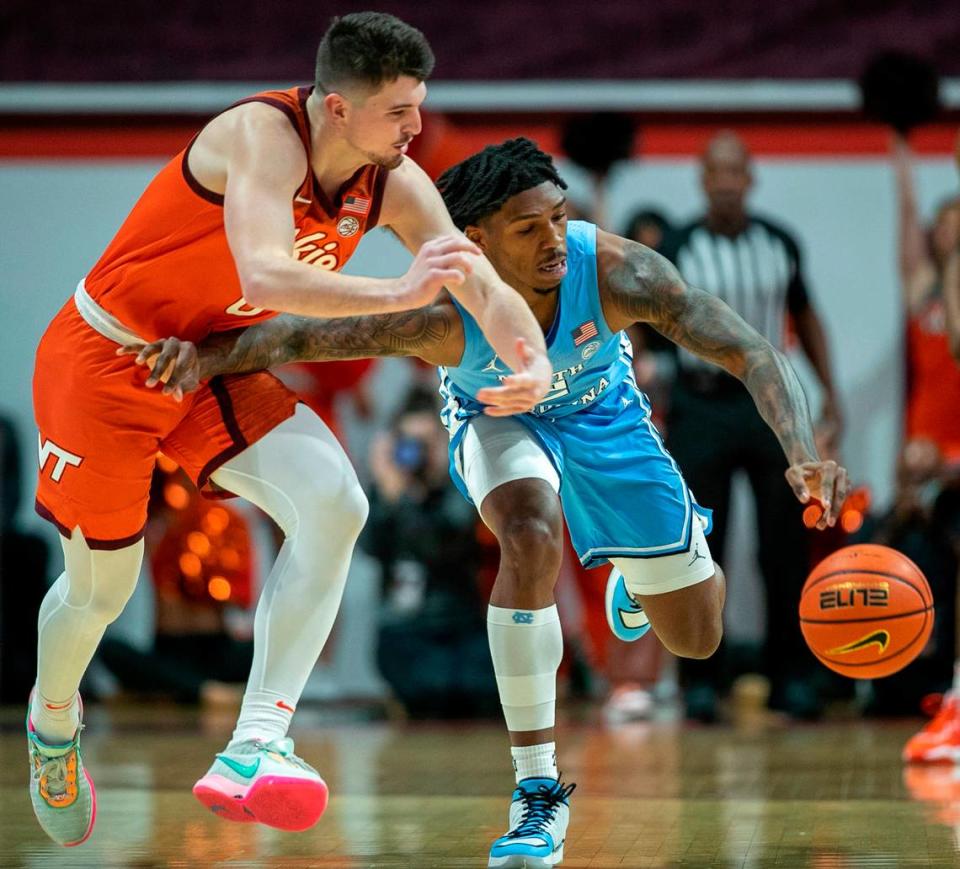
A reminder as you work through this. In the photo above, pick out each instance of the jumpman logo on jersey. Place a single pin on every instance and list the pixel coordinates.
(696, 555)
(492, 366)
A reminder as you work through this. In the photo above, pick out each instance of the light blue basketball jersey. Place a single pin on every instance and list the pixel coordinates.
(587, 358)
(621, 492)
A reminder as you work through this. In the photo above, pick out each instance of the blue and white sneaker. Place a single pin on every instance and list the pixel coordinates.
(539, 815)
(625, 616)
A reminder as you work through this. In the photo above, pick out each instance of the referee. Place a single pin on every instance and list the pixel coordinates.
(714, 428)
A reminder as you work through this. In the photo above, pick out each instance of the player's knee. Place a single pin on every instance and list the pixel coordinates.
(109, 598)
(531, 546)
(695, 626)
(332, 501)
(356, 509)
(698, 642)
(702, 643)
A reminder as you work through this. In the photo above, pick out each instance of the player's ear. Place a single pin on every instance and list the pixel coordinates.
(336, 107)
(477, 236)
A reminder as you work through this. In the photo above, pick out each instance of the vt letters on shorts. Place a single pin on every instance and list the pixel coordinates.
(64, 457)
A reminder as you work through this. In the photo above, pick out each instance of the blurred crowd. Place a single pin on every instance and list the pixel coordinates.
(432, 561)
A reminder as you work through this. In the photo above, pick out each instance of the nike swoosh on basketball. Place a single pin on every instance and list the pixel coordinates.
(880, 638)
(247, 770)
(633, 619)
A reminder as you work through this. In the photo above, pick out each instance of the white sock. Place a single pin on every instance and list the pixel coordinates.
(263, 715)
(535, 761)
(56, 721)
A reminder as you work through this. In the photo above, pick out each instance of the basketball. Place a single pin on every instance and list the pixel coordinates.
(866, 611)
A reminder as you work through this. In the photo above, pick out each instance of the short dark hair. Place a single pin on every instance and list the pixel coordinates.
(478, 187)
(370, 48)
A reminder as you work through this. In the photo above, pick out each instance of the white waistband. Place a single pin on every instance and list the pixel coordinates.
(102, 321)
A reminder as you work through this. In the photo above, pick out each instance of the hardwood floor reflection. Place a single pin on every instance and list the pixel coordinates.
(649, 795)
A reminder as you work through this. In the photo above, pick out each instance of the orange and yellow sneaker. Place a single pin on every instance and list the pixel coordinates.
(939, 740)
(64, 799)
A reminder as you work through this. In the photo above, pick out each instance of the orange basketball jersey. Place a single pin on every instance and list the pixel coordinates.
(169, 270)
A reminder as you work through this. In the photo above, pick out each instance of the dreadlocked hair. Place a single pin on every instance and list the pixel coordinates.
(479, 186)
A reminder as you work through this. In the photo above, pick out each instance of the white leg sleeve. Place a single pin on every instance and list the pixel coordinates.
(91, 592)
(526, 647)
(301, 477)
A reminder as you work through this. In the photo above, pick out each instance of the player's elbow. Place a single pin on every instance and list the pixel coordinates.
(258, 282)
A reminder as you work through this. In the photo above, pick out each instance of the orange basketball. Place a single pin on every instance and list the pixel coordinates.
(866, 611)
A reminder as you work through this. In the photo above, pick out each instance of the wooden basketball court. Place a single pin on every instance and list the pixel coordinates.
(435, 795)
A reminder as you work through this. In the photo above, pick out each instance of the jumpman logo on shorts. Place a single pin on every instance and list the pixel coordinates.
(696, 555)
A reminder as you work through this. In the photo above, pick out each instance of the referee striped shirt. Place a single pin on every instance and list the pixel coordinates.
(758, 273)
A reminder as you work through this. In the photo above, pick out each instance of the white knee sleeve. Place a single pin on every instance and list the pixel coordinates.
(91, 593)
(526, 647)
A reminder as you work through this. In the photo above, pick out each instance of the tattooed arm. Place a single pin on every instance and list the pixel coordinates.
(639, 285)
(434, 334)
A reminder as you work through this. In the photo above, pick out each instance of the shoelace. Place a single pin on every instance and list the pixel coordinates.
(283, 747)
(54, 769)
(539, 808)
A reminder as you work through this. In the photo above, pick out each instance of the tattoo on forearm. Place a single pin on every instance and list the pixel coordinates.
(647, 288)
(288, 338)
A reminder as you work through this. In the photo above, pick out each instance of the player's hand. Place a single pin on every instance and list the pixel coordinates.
(441, 262)
(172, 362)
(825, 481)
(521, 391)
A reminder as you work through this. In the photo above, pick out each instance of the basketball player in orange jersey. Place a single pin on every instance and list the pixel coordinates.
(257, 215)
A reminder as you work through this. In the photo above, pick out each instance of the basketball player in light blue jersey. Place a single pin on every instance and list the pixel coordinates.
(589, 453)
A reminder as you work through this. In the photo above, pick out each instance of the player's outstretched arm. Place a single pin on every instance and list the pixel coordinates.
(434, 334)
(414, 210)
(639, 285)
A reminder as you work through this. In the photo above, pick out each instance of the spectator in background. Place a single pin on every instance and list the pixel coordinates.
(23, 574)
(940, 738)
(933, 380)
(433, 641)
(714, 429)
(648, 226)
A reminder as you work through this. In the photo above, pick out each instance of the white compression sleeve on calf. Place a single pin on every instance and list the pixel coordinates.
(526, 647)
(300, 476)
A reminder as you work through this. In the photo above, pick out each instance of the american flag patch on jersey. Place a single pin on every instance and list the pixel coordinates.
(584, 332)
(356, 204)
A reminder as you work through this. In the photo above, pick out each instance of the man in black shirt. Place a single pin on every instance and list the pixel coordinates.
(714, 428)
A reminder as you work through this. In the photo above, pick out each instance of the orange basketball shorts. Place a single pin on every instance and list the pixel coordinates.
(100, 430)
